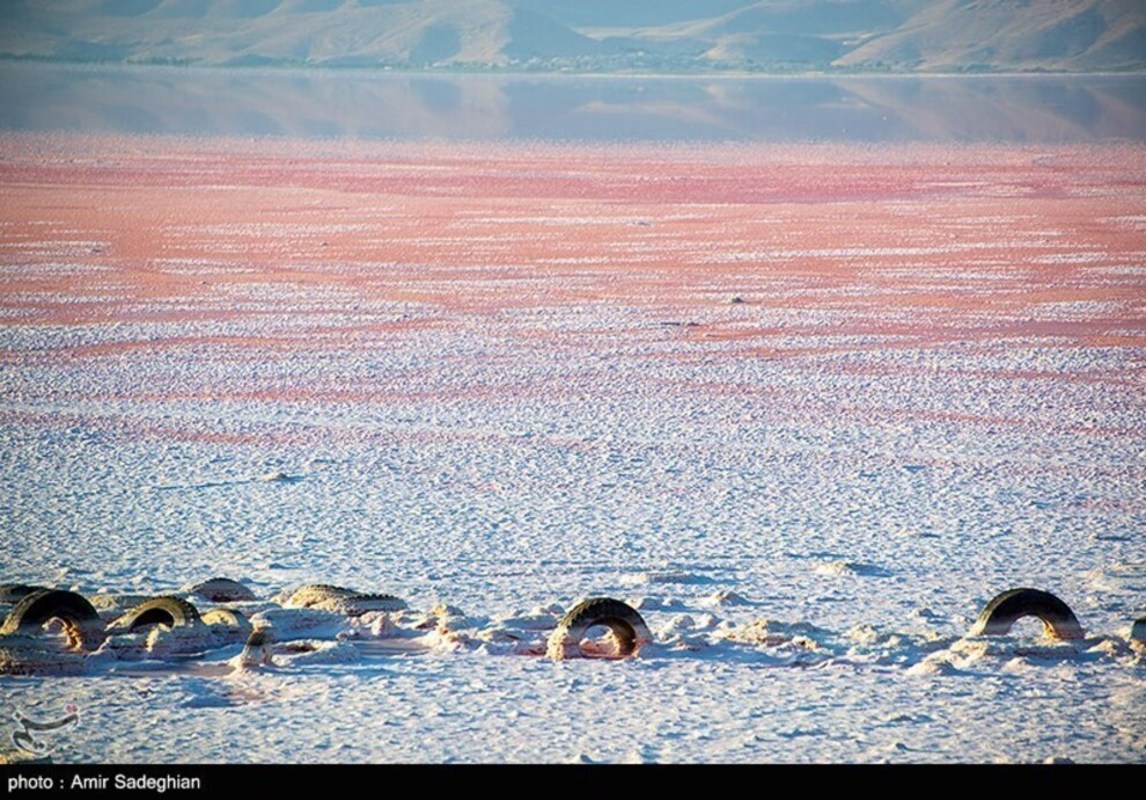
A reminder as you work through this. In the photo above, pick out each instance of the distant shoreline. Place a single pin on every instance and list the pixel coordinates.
(564, 74)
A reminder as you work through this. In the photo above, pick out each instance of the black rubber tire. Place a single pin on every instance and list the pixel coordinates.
(170, 611)
(80, 618)
(38, 607)
(223, 590)
(12, 593)
(997, 617)
(309, 594)
(226, 616)
(396, 603)
(356, 605)
(226, 626)
(621, 618)
(257, 650)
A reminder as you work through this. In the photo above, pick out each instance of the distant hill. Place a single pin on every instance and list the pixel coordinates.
(1087, 35)
(589, 35)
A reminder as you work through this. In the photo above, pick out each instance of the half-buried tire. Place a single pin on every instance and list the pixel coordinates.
(222, 590)
(997, 617)
(12, 593)
(359, 604)
(1138, 633)
(174, 612)
(626, 624)
(314, 593)
(228, 617)
(257, 650)
(81, 622)
(227, 626)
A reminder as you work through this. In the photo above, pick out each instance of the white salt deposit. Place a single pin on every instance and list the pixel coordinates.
(808, 530)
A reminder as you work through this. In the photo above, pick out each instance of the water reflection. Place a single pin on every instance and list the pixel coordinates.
(405, 106)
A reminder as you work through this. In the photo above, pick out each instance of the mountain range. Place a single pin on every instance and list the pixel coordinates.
(613, 36)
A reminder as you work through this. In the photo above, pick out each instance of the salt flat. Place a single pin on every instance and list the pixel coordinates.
(855, 391)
